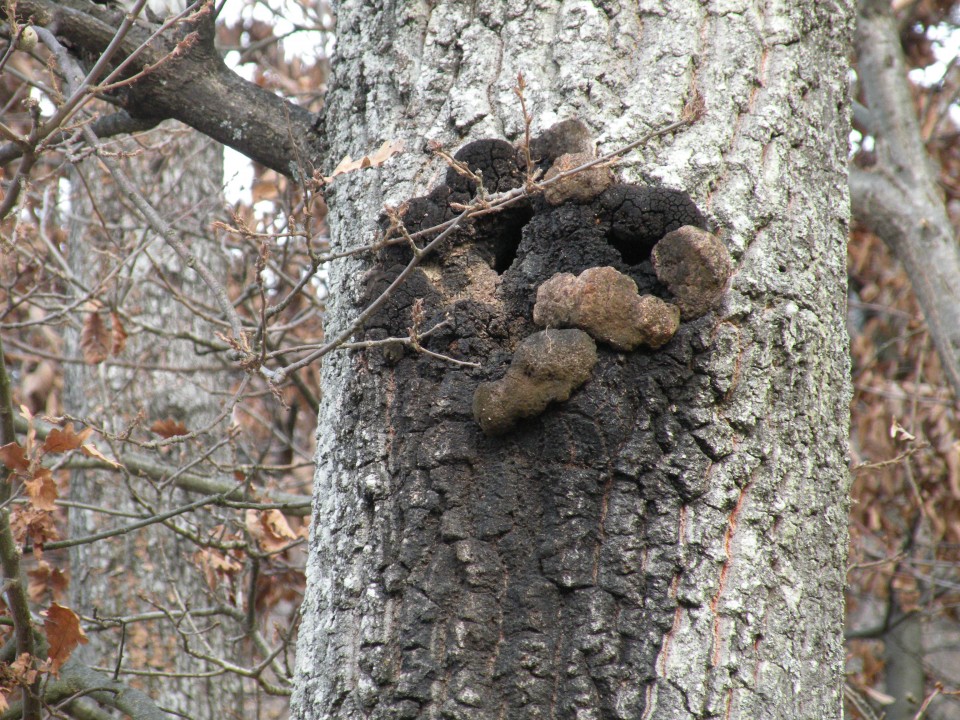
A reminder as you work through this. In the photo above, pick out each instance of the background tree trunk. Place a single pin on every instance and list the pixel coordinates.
(164, 377)
(669, 543)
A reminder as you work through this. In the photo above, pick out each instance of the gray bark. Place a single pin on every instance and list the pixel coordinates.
(153, 567)
(671, 542)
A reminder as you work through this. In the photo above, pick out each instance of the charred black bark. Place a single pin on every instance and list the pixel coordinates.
(531, 570)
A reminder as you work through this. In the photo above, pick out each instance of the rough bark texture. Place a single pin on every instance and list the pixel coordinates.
(154, 567)
(670, 542)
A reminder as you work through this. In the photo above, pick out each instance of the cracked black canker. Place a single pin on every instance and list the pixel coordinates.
(495, 161)
(639, 216)
(542, 555)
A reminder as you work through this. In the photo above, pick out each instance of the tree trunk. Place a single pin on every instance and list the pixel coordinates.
(671, 541)
(158, 376)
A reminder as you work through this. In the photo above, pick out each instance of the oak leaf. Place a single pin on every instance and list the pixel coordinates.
(60, 441)
(42, 490)
(216, 566)
(44, 577)
(271, 530)
(169, 428)
(28, 522)
(95, 339)
(63, 631)
(14, 457)
(378, 158)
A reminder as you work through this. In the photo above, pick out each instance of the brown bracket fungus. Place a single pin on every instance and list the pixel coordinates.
(582, 187)
(583, 249)
(547, 367)
(605, 303)
(695, 266)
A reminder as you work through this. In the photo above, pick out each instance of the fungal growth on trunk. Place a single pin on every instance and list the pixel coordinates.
(546, 368)
(695, 267)
(523, 293)
(539, 405)
(605, 303)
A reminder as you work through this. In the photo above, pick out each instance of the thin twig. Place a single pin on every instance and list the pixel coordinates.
(126, 529)
(374, 306)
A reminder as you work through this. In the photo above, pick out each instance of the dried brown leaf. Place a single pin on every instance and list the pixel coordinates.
(14, 457)
(63, 631)
(42, 490)
(274, 587)
(266, 187)
(386, 151)
(216, 566)
(90, 450)
(169, 428)
(896, 429)
(46, 578)
(119, 341)
(27, 522)
(270, 528)
(95, 340)
(31, 427)
(65, 440)
(22, 669)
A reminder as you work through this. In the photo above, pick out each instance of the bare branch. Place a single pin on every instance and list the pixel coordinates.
(15, 587)
(137, 464)
(253, 121)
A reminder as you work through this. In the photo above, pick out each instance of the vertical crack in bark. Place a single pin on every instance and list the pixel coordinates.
(724, 575)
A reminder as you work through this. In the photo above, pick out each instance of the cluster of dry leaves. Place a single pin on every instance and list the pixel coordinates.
(34, 525)
(905, 450)
(24, 462)
(61, 628)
